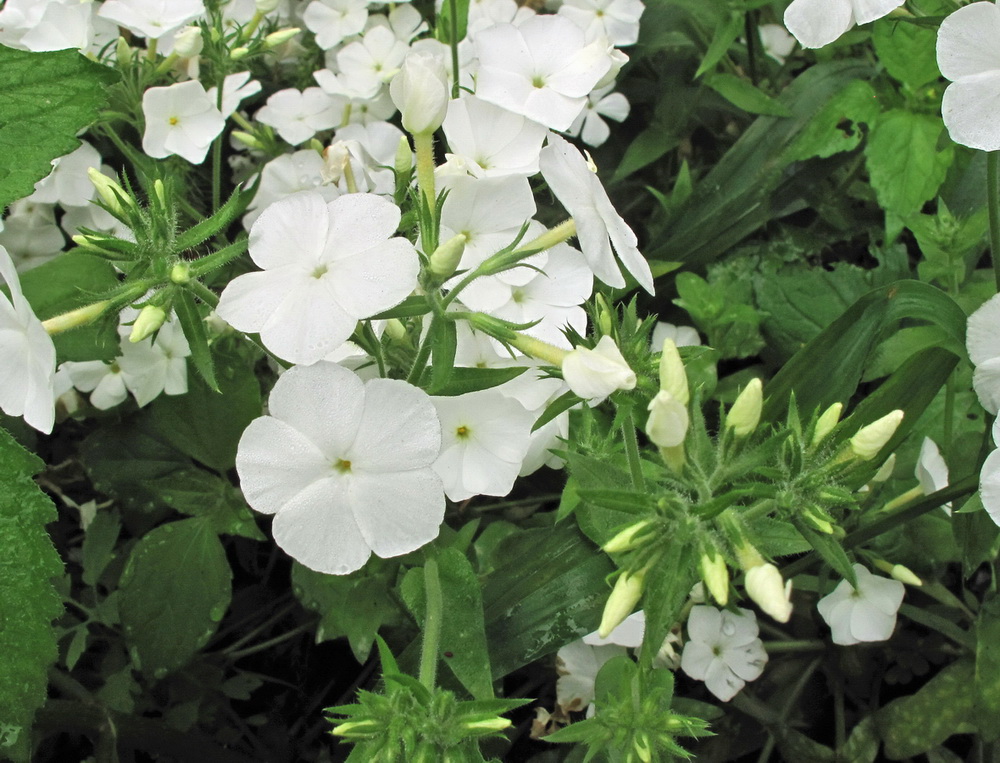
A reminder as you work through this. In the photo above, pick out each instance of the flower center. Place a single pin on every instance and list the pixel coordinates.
(174, 120)
(462, 432)
(538, 81)
(343, 466)
(320, 271)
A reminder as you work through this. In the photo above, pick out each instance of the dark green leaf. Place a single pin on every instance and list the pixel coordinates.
(465, 380)
(725, 35)
(742, 93)
(99, 545)
(987, 684)
(454, 13)
(193, 324)
(443, 341)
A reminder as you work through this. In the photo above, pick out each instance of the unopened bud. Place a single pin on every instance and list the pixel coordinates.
(869, 440)
(279, 38)
(673, 377)
(826, 422)
(110, 192)
(123, 52)
(487, 724)
(180, 273)
(420, 91)
(642, 747)
(237, 53)
(668, 420)
(819, 523)
(247, 139)
(767, 588)
(91, 243)
(603, 314)
(621, 602)
(404, 157)
(188, 42)
(625, 539)
(595, 374)
(362, 728)
(905, 575)
(395, 330)
(744, 416)
(715, 575)
(151, 317)
(160, 192)
(444, 262)
(266, 6)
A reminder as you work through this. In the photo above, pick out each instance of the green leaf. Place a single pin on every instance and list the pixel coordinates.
(831, 551)
(987, 684)
(463, 636)
(47, 99)
(355, 605)
(526, 606)
(465, 380)
(904, 163)
(174, 591)
(207, 425)
(443, 340)
(411, 307)
(66, 283)
(907, 51)
(725, 35)
(743, 94)
(28, 601)
(99, 545)
(835, 127)
(912, 725)
(452, 11)
(193, 326)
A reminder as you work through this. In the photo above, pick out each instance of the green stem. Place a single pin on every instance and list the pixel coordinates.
(432, 624)
(420, 361)
(750, 28)
(423, 145)
(632, 452)
(774, 647)
(993, 205)
(203, 293)
(264, 645)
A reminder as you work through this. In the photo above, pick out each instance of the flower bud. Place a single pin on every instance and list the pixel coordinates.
(715, 575)
(621, 602)
(188, 42)
(444, 262)
(180, 273)
(603, 314)
(668, 420)
(110, 192)
(905, 575)
(625, 540)
(673, 377)
(744, 416)
(336, 159)
(404, 157)
(420, 91)
(151, 317)
(161, 192)
(869, 440)
(248, 140)
(279, 38)
(772, 594)
(494, 723)
(123, 53)
(237, 53)
(266, 6)
(826, 422)
(395, 330)
(595, 374)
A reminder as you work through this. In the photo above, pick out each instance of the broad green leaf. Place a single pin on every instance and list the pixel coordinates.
(355, 605)
(47, 99)
(904, 163)
(28, 601)
(453, 14)
(945, 705)
(463, 636)
(549, 589)
(827, 370)
(465, 380)
(207, 425)
(174, 590)
(862, 745)
(907, 51)
(743, 94)
(66, 283)
(835, 127)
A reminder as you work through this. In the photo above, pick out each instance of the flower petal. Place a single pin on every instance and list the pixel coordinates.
(397, 512)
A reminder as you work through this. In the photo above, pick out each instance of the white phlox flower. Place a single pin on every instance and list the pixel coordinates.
(599, 227)
(484, 439)
(492, 140)
(298, 115)
(617, 20)
(982, 340)
(816, 23)
(967, 55)
(578, 664)
(595, 374)
(236, 88)
(62, 25)
(865, 613)
(286, 175)
(364, 66)
(420, 91)
(29, 357)
(683, 336)
(325, 267)
(345, 467)
(989, 481)
(778, 44)
(333, 21)
(404, 20)
(543, 69)
(155, 366)
(30, 234)
(723, 650)
(68, 183)
(180, 119)
(591, 128)
(104, 381)
(152, 18)
(371, 151)
(931, 470)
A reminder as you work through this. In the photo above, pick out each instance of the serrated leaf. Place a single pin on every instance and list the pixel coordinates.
(174, 591)
(907, 51)
(835, 127)
(28, 601)
(47, 99)
(743, 94)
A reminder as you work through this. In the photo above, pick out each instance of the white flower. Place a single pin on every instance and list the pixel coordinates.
(931, 470)
(595, 374)
(601, 103)
(967, 55)
(420, 91)
(365, 65)
(180, 119)
(235, 89)
(325, 267)
(333, 21)
(598, 226)
(989, 484)
(867, 613)
(286, 175)
(156, 366)
(30, 234)
(152, 18)
(298, 115)
(104, 381)
(668, 420)
(578, 664)
(983, 343)
(543, 69)
(618, 20)
(491, 140)
(778, 44)
(683, 336)
(816, 23)
(628, 633)
(723, 650)
(29, 357)
(345, 466)
(484, 439)
(68, 183)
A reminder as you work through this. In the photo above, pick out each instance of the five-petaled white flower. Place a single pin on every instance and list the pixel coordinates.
(180, 119)
(865, 613)
(325, 267)
(967, 55)
(29, 357)
(723, 650)
(344, 466)
(816, 23)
